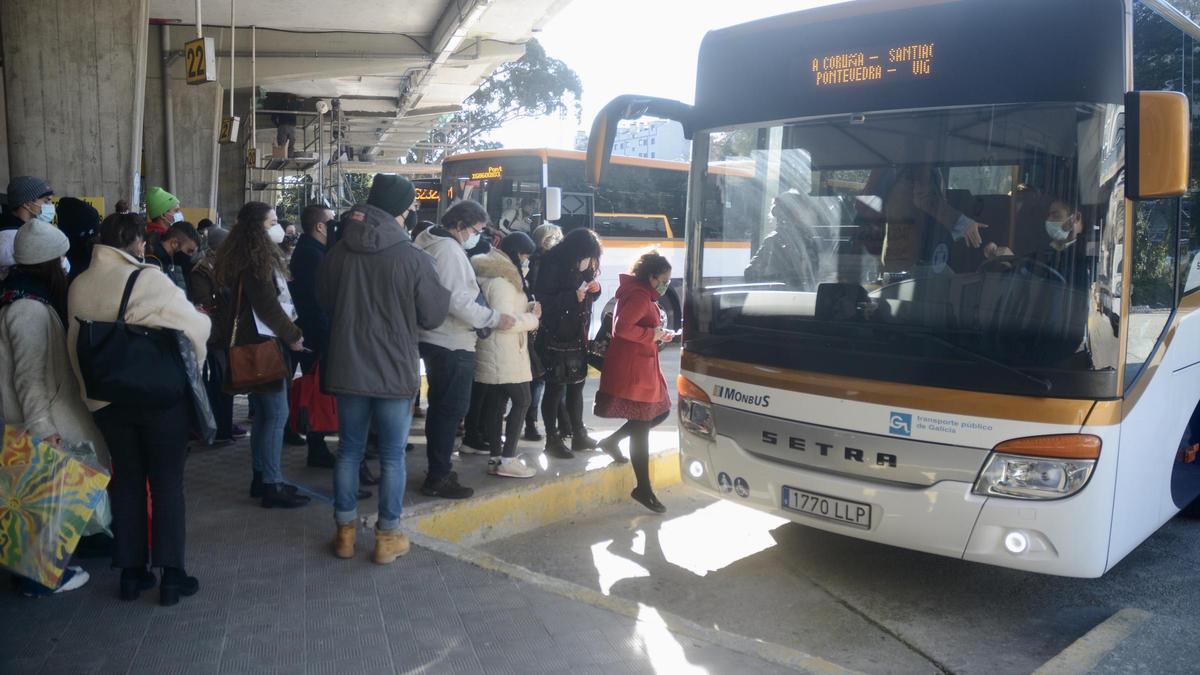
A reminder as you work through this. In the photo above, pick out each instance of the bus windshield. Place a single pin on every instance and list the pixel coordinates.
(974, 247)
(509, 188)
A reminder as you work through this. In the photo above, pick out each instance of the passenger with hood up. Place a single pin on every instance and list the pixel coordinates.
(449, 350)
(378, 290)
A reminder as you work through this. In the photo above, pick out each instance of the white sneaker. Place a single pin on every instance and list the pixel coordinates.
(510, 467)
(76, 581)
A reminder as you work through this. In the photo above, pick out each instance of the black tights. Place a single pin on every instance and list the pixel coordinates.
(574, 407)
(638, 432)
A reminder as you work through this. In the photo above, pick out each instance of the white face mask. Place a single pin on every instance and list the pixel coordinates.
(178, 217)
(47, 213)
(276, 234)
(585, 264)
(1054, 229)
(472, 241)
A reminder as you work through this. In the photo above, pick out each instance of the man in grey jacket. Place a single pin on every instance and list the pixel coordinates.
(378, 290)
(449, 350)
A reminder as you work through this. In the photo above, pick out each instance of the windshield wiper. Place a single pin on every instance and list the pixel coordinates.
(1044, 383)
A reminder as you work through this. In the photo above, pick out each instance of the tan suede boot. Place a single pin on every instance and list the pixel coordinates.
(389, 546)
(343, 541)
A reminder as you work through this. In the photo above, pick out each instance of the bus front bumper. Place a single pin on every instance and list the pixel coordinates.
(946, 518)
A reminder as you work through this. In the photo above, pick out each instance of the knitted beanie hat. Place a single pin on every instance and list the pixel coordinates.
(393, 194)
(158, 202)
(38, 241)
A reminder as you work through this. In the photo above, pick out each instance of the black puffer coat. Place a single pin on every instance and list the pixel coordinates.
(565, 320)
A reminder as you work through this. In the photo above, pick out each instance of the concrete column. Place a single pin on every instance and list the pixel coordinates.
(197, 122)
(4, 176)
(231, 190)
(75, 80)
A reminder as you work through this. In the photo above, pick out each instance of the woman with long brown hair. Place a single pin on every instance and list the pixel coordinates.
(251, 265)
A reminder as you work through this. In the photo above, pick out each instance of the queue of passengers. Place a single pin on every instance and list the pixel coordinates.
(361, 300)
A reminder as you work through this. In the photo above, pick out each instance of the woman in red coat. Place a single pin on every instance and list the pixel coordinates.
(632, 385)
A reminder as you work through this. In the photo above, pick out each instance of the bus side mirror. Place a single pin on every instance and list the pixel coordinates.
(1156, 144)
(553, 204)
(628, 107)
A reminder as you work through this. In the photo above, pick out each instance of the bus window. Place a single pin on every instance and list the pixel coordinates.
(631, 225)
(1158, 65)
(869, 241)
(499, 183)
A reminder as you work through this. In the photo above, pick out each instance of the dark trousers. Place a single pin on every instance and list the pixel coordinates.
(450, 374)
(638, 432)
(553, 405)
(147, 445)
(535, 401)
(475, 429)
(214, 384)
(496, 402)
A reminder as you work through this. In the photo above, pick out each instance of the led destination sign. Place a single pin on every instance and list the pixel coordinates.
(903, 62)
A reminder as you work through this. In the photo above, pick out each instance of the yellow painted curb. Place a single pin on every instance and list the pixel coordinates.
(511, 512)
(1083, 655)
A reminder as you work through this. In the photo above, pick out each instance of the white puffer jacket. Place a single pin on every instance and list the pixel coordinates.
(503, 358)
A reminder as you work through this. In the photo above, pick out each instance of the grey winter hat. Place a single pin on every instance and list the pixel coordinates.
(39, 241)
(24, 189)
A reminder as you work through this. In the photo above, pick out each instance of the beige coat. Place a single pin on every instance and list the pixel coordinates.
(503, 358)
(156, 302)
(37, 386)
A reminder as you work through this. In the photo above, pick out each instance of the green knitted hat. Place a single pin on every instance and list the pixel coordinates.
(158, 202)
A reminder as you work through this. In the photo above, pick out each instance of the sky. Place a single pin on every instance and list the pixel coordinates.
(631, 47)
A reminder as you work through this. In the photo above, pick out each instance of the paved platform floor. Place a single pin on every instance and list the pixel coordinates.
(866, 606)
(274, 599)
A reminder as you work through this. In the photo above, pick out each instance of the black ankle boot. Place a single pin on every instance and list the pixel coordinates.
(278, 496)
(134, 580)
(256, 485)
(532, 433)
(556, 448)
(175, 584)
(582, 442)
(320, 457)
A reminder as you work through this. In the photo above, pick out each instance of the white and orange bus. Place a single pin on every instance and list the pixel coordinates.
(969, 324)
(640, 206)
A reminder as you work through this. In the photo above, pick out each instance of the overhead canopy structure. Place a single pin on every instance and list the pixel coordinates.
(396, 67)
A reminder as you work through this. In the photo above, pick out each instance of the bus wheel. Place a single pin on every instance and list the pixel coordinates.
(670, 306)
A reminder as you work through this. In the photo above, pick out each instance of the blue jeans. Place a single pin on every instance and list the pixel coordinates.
(266, 433)
(535, 390)
(450, 374)
(391, 419)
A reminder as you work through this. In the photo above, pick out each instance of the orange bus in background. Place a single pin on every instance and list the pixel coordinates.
(640, 206)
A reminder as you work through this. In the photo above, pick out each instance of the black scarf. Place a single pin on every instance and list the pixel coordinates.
(24, 287)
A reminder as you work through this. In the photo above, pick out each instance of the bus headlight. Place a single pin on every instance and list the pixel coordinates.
(695, 409)
(1048, 467)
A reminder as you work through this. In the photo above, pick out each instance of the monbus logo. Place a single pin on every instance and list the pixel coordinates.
(731, 394)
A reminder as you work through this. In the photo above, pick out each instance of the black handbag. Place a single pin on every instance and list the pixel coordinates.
(598, 346)
(129, 364)
(566, 363)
